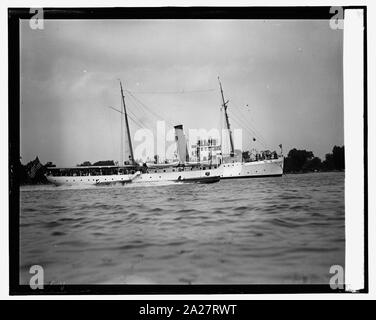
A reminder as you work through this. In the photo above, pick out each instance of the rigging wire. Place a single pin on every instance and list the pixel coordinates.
(242, 120)
(250, 131)
(135, 121)
(172, 92)
(145, 107)
(146, 110)
(237, 120)
(248, 124)
(143, 125)
(243, 123)
(251, 125)
(141, 108)
(148, 119)
(138, 122)
(131, 102)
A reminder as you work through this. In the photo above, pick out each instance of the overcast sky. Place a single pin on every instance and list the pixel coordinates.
(289, 73)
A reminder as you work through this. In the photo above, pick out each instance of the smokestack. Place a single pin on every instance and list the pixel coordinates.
(181, 144)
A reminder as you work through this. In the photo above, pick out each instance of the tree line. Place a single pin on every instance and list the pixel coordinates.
(305, 161)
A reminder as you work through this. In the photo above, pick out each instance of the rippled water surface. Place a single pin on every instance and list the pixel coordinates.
(289, 229)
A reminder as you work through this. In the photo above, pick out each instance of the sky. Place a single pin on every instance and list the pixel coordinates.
(283, 80)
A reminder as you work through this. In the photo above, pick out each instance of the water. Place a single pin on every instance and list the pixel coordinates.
(282, 230)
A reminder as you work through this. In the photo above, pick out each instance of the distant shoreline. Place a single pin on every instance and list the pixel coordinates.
(303, 172)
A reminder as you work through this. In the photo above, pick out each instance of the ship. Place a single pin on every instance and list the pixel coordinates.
(228, 166)
(180, 172)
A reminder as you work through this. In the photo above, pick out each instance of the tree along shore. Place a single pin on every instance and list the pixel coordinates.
(301, 161)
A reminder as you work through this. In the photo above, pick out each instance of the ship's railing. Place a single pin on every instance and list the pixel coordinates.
(183, 167)
(259, 159)
(93, 170)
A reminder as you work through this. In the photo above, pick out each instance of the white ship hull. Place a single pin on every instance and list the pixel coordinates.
(183, 176)
(264, 168)
(204, 176)
(89, 180)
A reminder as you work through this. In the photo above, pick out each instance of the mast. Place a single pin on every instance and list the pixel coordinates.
(121, 141)
(127, 124)
(232, 153)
